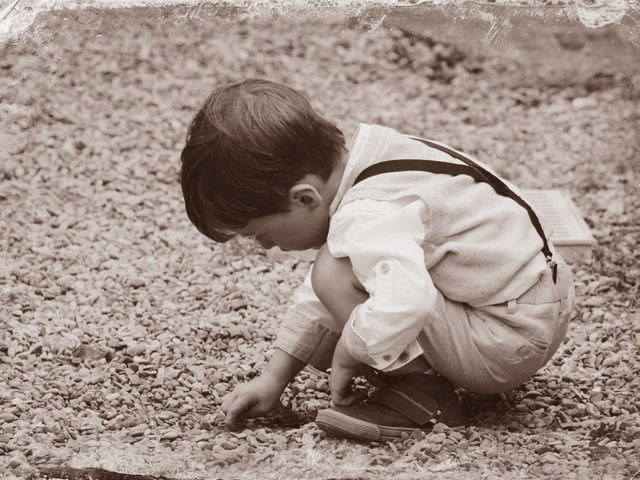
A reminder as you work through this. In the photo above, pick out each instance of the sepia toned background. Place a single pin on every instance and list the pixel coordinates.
(121, 327)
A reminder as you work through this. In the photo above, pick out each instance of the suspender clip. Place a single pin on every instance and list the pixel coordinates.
(553, 266)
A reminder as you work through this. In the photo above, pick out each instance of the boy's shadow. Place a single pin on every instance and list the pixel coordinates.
(282, 418)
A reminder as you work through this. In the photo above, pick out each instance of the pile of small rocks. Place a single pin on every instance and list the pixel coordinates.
(121, 327)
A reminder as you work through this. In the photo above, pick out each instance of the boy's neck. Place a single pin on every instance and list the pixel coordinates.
(335, 179)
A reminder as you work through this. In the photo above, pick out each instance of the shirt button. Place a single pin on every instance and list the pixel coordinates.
(386, 357)
(384, 267)
(524, 352)
(403, 356)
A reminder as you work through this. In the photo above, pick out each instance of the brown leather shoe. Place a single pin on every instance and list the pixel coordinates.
(408, 402)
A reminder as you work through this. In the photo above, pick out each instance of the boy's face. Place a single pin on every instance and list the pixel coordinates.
(304, 226)
(293, 230)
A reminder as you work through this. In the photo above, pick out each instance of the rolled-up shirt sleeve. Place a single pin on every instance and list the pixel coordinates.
(307, 331)
(383, 242)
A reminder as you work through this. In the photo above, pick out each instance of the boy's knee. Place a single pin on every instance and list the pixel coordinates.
(322, 272)
(330, 275)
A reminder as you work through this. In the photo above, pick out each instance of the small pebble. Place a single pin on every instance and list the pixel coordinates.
(137, 282)
(7, 417)
(170, 435)
(437, 438)
(440, 428)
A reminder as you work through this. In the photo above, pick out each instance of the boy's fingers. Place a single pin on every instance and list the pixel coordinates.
(341, 391)
(227, 401)
(238, 410)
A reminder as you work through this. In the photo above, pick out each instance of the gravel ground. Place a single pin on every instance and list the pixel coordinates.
(121, 327)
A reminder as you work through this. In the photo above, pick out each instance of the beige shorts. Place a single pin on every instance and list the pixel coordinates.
(498, 347)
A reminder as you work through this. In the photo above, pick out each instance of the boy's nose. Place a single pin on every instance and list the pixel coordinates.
(265, 243)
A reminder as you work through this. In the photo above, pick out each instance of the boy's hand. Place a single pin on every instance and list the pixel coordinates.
(253, 399)
(343, 369)
(262, 394)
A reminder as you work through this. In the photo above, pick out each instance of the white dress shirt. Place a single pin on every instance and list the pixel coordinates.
(409, 236)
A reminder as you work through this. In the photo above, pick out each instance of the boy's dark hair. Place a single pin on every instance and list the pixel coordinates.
(245, 148)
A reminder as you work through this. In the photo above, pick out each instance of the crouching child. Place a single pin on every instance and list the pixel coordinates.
(432, 272)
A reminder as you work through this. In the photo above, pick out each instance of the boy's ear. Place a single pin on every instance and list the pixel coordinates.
(305, 195)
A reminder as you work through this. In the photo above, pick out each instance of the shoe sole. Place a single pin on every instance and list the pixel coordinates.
(340, 425)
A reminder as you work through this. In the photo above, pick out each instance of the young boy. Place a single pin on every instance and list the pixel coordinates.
(431, 274)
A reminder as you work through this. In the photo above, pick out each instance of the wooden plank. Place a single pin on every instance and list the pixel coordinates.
(569, 232)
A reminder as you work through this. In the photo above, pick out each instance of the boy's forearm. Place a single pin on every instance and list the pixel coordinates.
(283, 367)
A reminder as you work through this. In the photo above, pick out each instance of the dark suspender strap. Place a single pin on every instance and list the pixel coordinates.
(402, 165)
(472, 169)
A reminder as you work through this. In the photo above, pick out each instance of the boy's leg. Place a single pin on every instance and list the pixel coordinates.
(409, 399)
(495, 348)
(485, 350)
(340, 291)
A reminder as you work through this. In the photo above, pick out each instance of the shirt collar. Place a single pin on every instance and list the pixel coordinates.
(356, 162)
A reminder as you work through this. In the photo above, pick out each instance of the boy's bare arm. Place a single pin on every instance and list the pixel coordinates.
(262, 394)
(283, 367)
